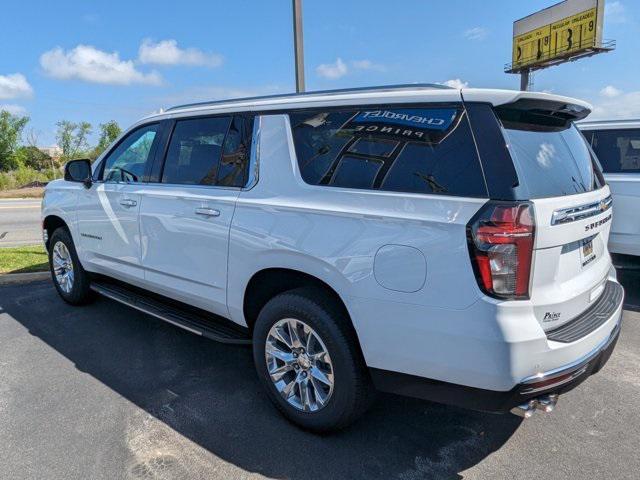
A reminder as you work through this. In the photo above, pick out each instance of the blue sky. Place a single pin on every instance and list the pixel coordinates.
(121, 60)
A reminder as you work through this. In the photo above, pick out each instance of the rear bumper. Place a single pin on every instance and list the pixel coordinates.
(556, 381)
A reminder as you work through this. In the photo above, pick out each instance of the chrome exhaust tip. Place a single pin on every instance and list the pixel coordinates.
(545, 404)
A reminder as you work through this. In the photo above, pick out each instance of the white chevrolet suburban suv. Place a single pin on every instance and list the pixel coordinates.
(440, 243)
(617, 145)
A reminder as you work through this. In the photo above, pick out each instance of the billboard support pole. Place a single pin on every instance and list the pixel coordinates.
(298, 45)
(524, 79)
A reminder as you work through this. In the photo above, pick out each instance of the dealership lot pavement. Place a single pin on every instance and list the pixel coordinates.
(106, 392)
(20, 222)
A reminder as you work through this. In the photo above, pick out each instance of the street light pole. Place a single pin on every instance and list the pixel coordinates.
(298, 45)
(524, 79)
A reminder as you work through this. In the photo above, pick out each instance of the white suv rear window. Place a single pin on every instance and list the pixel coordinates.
(551, 161)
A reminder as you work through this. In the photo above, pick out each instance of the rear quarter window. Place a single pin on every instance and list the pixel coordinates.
(428, 150)
(618, 150)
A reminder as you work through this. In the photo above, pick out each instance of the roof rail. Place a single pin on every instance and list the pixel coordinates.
(381, 88)
(611, 120)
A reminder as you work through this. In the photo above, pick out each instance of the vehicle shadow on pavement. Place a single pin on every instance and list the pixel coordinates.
(629, 277)
(208, 393)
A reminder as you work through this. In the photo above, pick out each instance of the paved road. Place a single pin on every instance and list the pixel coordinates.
(105, 392)
(20, 222)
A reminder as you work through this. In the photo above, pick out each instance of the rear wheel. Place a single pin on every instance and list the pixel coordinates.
(308, 360)
(70, 279)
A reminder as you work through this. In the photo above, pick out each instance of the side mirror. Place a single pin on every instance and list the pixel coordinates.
(78, 171)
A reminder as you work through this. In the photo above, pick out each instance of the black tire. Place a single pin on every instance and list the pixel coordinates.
(79, 293)
(352, 388)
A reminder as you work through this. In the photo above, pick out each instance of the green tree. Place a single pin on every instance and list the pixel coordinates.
(108, 133)
(32, 157)
(73, 138)
(64, 136)
(11, 127)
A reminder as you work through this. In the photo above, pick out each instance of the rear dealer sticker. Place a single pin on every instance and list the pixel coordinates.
(587, 253)
(429, 125)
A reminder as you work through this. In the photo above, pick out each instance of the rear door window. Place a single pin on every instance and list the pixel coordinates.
(427, 150)
(617, 150)
(195, 150)
(551, 158)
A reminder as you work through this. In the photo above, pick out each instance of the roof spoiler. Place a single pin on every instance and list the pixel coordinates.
(554, 111)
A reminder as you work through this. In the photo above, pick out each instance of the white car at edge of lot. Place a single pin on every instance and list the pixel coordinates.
(617, 145)
(440, 243)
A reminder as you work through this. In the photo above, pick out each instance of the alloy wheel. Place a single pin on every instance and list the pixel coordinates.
(63, 267)
(299, 365)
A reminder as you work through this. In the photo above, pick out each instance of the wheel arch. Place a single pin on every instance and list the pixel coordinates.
(50, 224)
(269, 282)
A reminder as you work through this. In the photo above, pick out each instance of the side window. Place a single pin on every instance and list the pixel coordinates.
(128, 161)
(426, 150)
(235, 156)
(195, 150)
(618, 150)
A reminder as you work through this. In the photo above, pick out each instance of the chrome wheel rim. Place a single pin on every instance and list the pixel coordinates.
(63, 267)
(299, 365)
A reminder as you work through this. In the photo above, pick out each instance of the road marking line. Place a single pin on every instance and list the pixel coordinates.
(14, 207)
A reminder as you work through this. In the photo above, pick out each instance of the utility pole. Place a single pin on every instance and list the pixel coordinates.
(298, 45)
(524, 79)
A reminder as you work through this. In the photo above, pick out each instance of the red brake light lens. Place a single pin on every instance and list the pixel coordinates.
(500, 241)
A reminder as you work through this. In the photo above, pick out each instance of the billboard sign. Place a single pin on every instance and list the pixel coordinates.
(564, 30)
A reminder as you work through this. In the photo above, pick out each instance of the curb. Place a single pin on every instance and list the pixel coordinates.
(15, 278)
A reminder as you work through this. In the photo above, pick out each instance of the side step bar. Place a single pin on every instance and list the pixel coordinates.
(189, 318)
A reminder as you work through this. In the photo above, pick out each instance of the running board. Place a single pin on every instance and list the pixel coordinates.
(189, 318)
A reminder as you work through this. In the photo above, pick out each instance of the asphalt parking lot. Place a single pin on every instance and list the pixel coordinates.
(106, 392)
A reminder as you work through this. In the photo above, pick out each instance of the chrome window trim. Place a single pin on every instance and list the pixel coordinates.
(254, 155)
(187, 185)
(571, 214)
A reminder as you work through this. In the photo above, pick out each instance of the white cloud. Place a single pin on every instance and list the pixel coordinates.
(367, 65)
(455, 83)
(476, 33)
(615, 12)
(13, 109)
(87, 63)
(610, 91)
(167, 52)
(340, 68)
(333, 71)
(14, 86)
(622, 105)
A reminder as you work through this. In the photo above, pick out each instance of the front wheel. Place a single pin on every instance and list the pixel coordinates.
(308, 361)
(70, 279)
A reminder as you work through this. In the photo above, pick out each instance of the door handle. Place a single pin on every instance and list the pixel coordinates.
(207, 212)
(128, 202)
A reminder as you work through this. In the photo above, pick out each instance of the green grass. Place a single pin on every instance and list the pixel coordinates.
(23, 259)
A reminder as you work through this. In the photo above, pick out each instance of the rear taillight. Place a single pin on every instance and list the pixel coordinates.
(500, 238)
